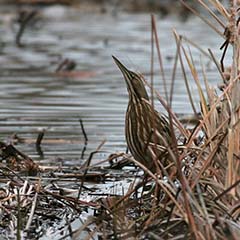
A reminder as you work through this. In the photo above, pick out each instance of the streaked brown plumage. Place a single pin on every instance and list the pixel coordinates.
(147, 131)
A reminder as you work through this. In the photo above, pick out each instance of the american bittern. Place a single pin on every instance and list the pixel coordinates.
(147, 131)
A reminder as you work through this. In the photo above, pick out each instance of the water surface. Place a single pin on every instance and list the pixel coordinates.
(34, 97)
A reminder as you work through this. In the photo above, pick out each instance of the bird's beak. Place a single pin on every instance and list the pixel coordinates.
(126, 73)
(120, 65)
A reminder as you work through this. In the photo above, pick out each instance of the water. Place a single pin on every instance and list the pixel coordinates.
(34, 97)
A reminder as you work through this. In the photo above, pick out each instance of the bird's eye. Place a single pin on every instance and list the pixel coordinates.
(132, 75)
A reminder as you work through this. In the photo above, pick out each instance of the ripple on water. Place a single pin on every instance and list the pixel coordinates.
(34, 96)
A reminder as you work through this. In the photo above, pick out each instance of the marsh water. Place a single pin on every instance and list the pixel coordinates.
(34, 97)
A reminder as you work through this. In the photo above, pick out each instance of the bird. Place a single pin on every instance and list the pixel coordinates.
(147, 132)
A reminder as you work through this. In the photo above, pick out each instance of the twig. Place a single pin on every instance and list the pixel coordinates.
(34, 204)
(201, 17)
(159, 57)
(178, 40)
(216, 63)
(86, 166)
(40, 137)
(212, 13)
(39, 141)
(23, 24)
(19, 219)
(85, 137)
(227, 190)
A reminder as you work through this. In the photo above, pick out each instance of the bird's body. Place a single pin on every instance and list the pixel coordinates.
(140, 135)
(147, 132)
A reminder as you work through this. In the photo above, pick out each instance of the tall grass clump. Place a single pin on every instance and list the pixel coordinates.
(202, 199)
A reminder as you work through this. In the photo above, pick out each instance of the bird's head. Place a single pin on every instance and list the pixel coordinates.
(134, 81)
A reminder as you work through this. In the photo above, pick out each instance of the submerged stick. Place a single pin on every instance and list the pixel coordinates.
(85, 137)
(26, 18)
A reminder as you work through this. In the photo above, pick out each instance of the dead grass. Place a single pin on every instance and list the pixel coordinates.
(199, 201)
(204, 204)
